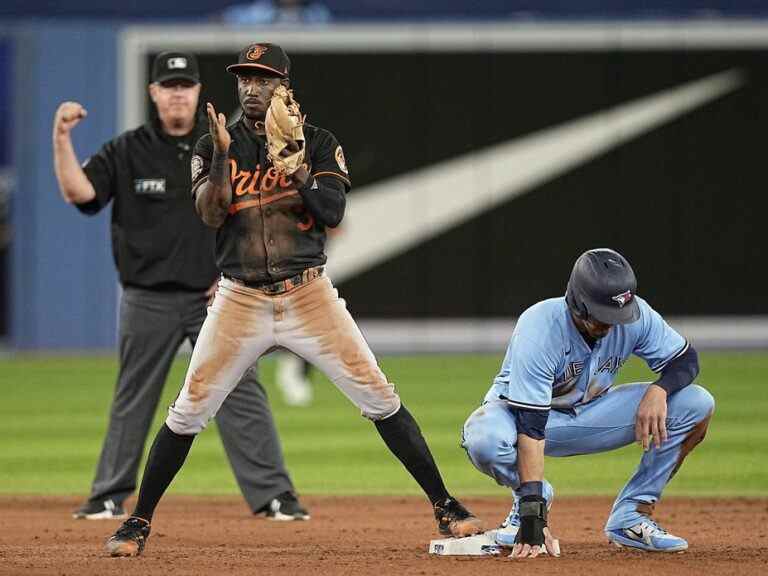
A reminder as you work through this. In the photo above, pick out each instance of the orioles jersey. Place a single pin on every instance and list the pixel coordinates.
(268, 234)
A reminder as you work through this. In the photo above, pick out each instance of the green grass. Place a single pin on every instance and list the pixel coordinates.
(53, 415)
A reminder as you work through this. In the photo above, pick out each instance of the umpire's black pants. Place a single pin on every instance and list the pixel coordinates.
(153, 325)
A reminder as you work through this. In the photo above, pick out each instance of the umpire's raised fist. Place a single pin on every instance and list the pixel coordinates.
(67, 116)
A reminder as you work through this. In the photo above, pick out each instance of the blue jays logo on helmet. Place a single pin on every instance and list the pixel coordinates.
(602, 286)
(623, 298)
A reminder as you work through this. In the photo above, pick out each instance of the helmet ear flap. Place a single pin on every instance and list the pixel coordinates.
(575, 304)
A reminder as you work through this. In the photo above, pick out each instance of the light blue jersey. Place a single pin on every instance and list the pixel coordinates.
(548, 363)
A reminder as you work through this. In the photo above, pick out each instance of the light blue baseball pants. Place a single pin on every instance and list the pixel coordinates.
(606, 423)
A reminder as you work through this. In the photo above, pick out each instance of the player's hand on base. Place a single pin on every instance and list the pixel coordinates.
(67, 116)
(651, 418)
(551, 546)
(217, 126)
(534, 537)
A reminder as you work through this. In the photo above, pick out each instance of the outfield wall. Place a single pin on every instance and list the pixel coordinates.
(63, 285)
(491, 335)
(485, 158)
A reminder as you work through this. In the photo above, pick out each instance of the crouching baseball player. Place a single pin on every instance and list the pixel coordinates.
(554, 395)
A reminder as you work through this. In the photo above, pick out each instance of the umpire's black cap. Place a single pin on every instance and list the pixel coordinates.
(602, 286)
(263, 57)
(175, 66)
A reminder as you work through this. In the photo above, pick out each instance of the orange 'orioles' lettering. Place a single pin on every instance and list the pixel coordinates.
(246, 183)
(270, 180)
(242, 179)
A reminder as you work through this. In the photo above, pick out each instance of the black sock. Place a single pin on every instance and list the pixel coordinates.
(165, 459)
(403, 437)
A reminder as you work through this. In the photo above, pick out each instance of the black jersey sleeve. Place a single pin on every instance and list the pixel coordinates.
(327, 158)
(101, 171)
(200, 165)
(325, 197)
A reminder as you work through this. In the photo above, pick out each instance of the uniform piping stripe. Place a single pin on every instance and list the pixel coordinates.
(243, 205)
(682, 351)
(339, 176)
(280, 196)
(260, 201)
(528, 406)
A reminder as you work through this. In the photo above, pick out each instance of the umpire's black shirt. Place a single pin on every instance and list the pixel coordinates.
(158, 240)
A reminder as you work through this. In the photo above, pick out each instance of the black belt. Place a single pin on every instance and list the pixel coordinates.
(282, 285)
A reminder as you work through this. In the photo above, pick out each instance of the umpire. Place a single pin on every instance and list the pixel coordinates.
(165, 258)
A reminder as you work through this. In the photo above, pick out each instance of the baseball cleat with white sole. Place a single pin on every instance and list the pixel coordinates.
(455, 520)
(101, 510)
(130, 538)
(648, 536)
(284, 507)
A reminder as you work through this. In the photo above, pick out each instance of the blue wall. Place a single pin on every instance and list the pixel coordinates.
(63, 283)
(396, 9)
(6, 174)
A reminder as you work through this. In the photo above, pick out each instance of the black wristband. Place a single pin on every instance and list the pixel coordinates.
(533, 520)
(531, 489)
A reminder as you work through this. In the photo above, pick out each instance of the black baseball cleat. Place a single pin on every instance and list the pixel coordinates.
(130, 538)
(100, 510)
(284, 507)
(455, 520)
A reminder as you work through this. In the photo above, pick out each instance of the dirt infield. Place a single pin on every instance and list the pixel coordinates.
(367, 535)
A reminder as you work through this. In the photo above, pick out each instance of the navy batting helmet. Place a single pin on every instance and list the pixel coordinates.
(602, 286)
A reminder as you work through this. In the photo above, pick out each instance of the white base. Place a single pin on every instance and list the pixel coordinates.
(479, 545)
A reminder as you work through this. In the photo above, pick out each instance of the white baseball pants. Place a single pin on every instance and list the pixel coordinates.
(310, 320)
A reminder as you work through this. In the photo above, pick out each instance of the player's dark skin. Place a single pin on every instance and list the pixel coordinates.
(254, 91)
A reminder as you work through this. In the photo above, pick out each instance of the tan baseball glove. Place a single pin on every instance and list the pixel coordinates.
(285, 137)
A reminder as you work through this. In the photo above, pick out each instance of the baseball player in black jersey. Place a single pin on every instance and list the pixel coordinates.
(165, 258)
(273, 292)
